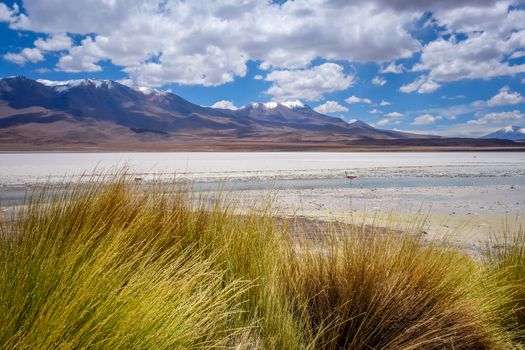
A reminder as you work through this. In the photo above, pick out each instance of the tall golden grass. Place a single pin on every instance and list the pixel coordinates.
(110, 264)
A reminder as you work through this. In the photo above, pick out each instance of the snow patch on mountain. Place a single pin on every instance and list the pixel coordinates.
(65, 85)
(149, 91)
(291, 104)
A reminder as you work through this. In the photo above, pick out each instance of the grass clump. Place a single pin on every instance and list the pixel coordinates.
(397, 292)
(114, 265)
(504, 255)
(109, 266)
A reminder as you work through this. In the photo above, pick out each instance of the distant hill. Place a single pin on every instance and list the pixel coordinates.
(512, 132)
(104, 114)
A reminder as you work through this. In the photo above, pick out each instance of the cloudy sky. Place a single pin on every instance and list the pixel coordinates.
(450, 67)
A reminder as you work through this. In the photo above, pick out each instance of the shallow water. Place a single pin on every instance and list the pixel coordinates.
(359, 183)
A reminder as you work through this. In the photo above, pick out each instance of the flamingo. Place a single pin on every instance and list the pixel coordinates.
(349, 177)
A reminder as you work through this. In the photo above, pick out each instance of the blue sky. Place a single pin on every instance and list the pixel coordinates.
(454, 68)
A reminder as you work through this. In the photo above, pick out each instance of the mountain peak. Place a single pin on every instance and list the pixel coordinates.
(65, 85)
(293, 104)
(360, 123)
(290, 104)
(513, 128)
(511, 132)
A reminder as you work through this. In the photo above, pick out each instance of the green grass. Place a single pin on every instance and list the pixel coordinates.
(107, 265)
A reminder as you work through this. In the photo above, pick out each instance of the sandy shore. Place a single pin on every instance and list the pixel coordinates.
(465, 215)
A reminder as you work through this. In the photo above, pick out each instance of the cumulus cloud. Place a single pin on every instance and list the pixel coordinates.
(380, 81)
(355, 99)
(505, 97)
(83, 58)
(384, 103)
(56, 42)
(33, 55)
(425, 119)
(386, 121)
(395, 115)
(309, 84)
(392, 68)
(5, 13)
(517, 54)
(375, 111)
(330, 107)
(224, 104)
(490, 35)
(497, 117)
(422, 85)
(210, 43)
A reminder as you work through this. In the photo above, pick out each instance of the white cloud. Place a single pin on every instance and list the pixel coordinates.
(224, 104)
(395, 115)
(380, 81)
(28, 54)
(384, 103)
(505, 97)
(425, 119)
(492, 34)
(517, 54)
(56, 42)
(309, 84)
(258, 77)
(392, 68)
(457, 97)
(498, 117)
(386, 121)
(83, 58)
(375, 111)
(355, 99)
(209, 43)
(422, 85)
(330, 107)
(80, 64)
(15, 58)
(8, 14)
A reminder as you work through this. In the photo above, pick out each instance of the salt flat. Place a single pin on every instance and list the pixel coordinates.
(21, 168)
(467, 192)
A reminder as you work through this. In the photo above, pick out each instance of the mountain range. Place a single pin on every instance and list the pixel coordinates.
(106, 115)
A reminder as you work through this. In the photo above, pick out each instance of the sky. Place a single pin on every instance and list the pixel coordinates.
(449, 67)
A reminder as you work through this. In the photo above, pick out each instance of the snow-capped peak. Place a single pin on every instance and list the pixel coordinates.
(142, 89)
(293, 104)
(65, 85)
(512, 128)
(265, 105)
(148, 91)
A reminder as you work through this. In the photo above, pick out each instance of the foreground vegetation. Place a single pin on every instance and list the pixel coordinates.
(107, 265)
